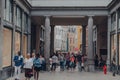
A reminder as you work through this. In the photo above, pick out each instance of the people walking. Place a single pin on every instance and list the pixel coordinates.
(82, 64)
(96, 61)
(61, 59)
(54, 62)
(72, 60)
(113, 66)
(79, 60)
(67, 58)
(18, 60)
(36, 66)
(105, 69)
(43, 63)
(28, 65)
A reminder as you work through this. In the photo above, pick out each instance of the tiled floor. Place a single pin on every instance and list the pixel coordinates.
(73, 75)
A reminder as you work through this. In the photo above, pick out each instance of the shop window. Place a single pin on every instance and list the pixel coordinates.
(8, 10)
(25, 22)
(119, 19)
(7, 40)
(17, 42)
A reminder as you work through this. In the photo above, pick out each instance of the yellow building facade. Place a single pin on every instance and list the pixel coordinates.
(79, 35)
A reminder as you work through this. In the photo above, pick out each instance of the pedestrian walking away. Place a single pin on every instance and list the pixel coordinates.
(36, 66)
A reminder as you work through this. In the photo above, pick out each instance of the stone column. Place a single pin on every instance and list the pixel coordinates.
(47, 41)
(108, 42)
(14, 22)
(22, 33)
(37, 39)
(29, 34)
(117, 42)
(1, 32)
(83, 39)
(52, 40)
(90, 44)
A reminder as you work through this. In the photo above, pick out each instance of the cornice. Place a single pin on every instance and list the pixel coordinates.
(27, 4)
(68, 8)
(111, 5)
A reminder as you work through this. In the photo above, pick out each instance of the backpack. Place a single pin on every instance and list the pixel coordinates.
(37, 63)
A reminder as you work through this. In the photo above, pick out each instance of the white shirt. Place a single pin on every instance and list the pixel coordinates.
(28, 63)
(54, 59)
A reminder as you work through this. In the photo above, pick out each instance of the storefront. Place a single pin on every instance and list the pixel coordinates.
(24, 45)
(7, 45)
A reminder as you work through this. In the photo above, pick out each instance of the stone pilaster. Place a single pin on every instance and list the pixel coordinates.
(83, 39)
(90, 44)
(22, 33)
(52, 40)
(47, 41)
(37, 39)
(14, 23)
(29, 34)
(117, 45)
(1, 31)
(108, 42)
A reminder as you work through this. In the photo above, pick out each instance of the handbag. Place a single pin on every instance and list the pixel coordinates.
(30, 73)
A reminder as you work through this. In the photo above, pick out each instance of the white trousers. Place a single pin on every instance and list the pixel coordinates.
(17, 72)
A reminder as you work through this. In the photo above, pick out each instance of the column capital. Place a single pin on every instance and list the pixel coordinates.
(109, 15)
(90, 16)
(14, 2)
(84, 26)
(47, 16)
(52, 25)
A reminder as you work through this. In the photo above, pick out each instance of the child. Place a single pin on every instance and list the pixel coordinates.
(105, 69)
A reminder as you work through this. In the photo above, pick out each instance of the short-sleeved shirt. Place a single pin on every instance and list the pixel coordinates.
(28, 63)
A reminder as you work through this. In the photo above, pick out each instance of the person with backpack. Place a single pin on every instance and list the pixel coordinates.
(36, 66)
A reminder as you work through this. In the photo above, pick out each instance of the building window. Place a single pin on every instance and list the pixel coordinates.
(113, 21)
(8, 10)
(7, 40)
(40, 32)
(25, 22)
(119, 19)
(19, 17)
(43, 34)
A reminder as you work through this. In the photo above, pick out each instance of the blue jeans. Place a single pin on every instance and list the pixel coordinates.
(62, 65)
(79, 65)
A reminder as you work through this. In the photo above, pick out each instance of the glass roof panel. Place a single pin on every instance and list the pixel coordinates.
(66, 3)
